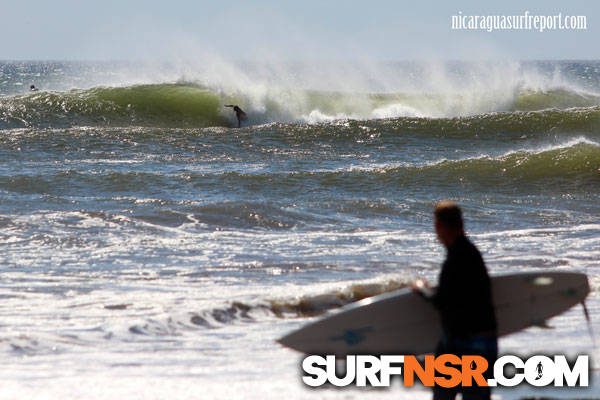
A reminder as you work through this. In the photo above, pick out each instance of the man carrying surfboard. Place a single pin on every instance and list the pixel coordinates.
(463, 299)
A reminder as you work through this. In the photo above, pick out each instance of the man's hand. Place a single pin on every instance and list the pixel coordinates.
(419, 285)
(422, 287)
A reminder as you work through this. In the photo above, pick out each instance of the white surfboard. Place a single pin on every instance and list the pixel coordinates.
(402, 322)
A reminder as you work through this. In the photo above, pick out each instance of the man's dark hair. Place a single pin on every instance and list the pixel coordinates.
(449, 214)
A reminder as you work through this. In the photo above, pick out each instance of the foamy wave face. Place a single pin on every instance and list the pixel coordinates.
(428, 89)
(394, 111)
(316, 116)
(388, 111)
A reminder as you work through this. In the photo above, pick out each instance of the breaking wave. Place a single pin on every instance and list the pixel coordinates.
(193, 105)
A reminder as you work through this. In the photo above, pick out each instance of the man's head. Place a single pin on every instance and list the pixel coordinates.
(448, 222)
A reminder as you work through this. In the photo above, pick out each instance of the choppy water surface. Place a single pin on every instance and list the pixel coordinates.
(150, 249)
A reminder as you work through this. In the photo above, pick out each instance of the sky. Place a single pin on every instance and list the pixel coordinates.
(379, 30)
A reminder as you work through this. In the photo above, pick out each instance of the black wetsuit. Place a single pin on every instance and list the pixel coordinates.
(239, 113)
(464, 301)
(464, 297)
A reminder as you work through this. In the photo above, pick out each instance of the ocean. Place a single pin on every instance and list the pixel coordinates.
(151, 249)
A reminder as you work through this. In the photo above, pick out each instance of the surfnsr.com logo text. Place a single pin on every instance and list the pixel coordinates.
(446, 370)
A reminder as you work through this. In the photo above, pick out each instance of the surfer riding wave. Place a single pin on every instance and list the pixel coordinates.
(239, 114)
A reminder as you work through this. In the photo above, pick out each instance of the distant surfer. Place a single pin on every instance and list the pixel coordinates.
(33, 88)
(464, 301)
(239, 113)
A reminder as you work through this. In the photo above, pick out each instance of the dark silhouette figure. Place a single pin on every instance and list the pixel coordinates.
(464, 301)
(239, 113)
(33, 88)
(539, 369)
